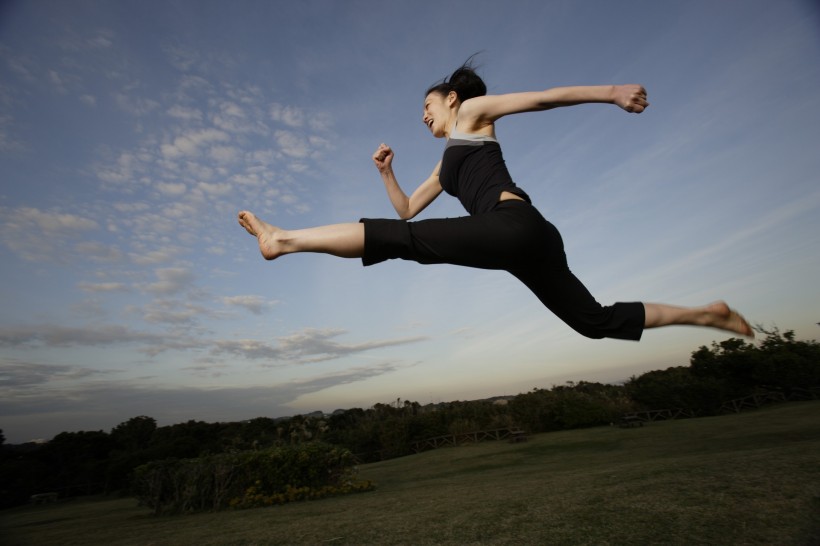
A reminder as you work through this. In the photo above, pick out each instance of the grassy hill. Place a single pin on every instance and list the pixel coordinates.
(751, 478)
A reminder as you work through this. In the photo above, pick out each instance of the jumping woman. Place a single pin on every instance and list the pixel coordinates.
(504, 230)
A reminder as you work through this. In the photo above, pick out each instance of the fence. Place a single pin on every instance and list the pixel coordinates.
(659, 415)
(466, 438)
(648, 416)
(760, 399)
(753, 401)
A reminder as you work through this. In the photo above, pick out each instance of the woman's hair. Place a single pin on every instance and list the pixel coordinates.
(464, 81)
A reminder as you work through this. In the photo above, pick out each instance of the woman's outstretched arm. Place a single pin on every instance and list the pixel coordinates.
(406, 207)
(482, 111)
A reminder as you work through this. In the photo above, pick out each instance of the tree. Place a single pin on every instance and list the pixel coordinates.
(677, 387)
(135, 433)
(779, 362)
(77, 462)
(729, 361)
(786, 363)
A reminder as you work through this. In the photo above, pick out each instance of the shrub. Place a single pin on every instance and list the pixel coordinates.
(249, 478)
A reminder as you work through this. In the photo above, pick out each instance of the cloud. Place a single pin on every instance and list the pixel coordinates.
(127, 167)
(190, 143)
(255, 304)
(58, 82)
(304, 347)
(208, 370)
(225, 154)
(103, 287)
(247, 348)
(215, 190)
(294, 117)
(22, 66)
(186, 114)
(171, 280)
(171, 188)
(183, 58)
(288, 115)
(310, 345)
(39, 235)
(98, 252)
(292, 144)
(49, 223)
(9, 142)
(100, 404)
(69, 336)
(16, 374)
(136, 106)
(175, 312)
(156, 256)
(343, 377)
(149, 343)
(102, 40)
(320, 121)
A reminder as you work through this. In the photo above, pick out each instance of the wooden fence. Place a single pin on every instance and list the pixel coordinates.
(737, 405)
(658, 415)
(467, 438)
(754, 401)
(631, 418)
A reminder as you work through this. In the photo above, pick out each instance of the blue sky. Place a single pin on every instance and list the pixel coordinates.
(131, 133)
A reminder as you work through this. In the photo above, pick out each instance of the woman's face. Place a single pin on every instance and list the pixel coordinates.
(437, 110)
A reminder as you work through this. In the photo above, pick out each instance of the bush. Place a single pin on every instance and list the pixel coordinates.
(249, 478)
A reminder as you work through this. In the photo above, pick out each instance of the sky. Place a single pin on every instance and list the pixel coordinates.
(132, 132)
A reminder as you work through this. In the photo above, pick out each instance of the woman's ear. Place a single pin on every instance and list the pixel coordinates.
(452, 98)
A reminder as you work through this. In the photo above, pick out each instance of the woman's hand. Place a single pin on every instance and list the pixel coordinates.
(630, 97)
(383, 158)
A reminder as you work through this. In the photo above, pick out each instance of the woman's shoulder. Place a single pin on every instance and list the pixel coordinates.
(472, 118)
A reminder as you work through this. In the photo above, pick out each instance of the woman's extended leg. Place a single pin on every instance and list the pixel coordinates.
(343, 240)
(716, 315)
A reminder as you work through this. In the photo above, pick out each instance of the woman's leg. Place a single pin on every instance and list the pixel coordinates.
(560, 291)
(716, 315)
(343, 240)
(495, 240)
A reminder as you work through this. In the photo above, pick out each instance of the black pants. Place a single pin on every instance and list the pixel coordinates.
(513, 237)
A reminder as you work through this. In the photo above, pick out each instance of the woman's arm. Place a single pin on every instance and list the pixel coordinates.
(482, 111)
(406, 207)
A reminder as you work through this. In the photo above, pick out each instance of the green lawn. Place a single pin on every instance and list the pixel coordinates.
(752, 478)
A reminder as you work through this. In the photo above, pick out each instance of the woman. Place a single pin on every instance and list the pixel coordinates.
(503, 231)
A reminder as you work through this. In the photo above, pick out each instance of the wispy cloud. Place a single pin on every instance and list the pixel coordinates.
(307, 346)
(68, 336)
(176, 313)
(102, 404)
(171, 280)
(41, 235)
(18, 374)
(255, 304)
(310, 345)
(103, 287)
(190, 143)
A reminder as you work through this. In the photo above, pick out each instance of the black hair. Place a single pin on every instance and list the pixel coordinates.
(464, 81)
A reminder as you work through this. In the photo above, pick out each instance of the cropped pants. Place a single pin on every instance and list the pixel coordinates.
(513, 237)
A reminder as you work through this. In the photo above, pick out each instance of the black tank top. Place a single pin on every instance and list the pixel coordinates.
(473, 170)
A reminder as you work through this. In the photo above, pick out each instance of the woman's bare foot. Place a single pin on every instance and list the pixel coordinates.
(715, 315)
(264, 233)
(719, 315)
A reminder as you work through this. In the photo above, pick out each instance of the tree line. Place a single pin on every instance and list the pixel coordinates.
(94, 462)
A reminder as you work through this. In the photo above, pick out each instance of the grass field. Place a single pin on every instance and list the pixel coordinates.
(752, 478)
